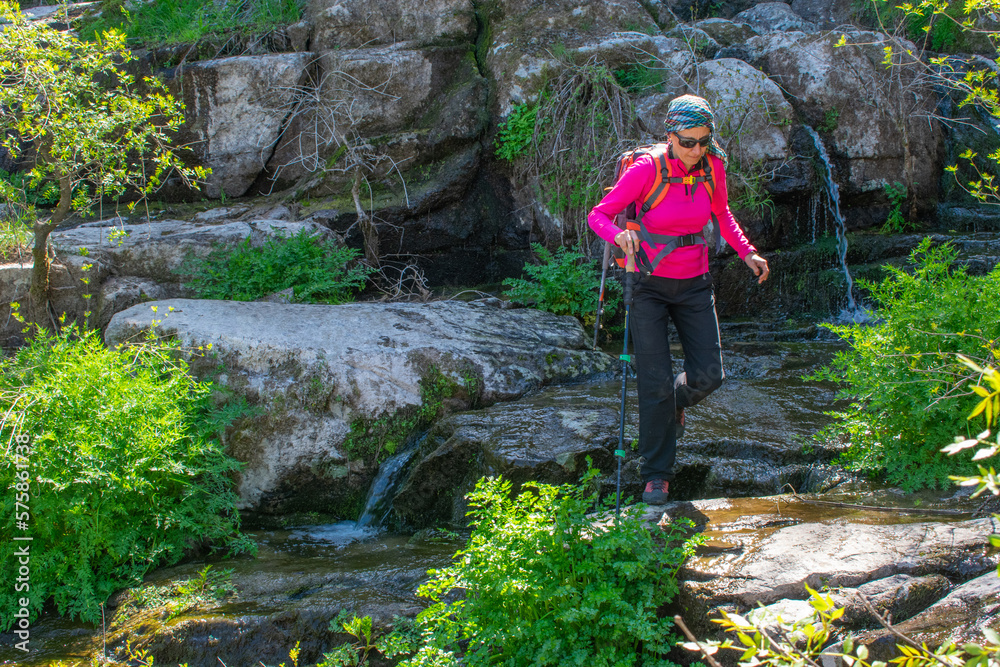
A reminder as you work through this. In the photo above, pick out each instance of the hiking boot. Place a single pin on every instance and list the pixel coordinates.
(679, 423)
(656, 492)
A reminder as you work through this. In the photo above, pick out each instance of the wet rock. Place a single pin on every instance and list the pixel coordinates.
(298, 582)
(958, 618)
(774, 17)
(742, 440)
(322, 373)
(762, 551)
(546, 437)
(898, 597)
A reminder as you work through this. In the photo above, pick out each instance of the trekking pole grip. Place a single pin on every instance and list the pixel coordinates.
(630, 274)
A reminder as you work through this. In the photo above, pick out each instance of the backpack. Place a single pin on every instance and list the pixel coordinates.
(632, 219)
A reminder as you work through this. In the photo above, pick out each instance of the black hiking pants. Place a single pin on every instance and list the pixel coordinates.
(690, 304)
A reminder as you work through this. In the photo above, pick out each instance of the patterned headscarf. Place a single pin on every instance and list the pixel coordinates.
(689, 111)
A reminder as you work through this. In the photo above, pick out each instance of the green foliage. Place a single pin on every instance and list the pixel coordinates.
(901, 371)
(544, 583)
(16, 220)
(747, 182)
(771, 641)
(378, 439)
(366, 639)
(938, 25)
(639, 78)
(564, 283)
(831, 118)
(115, 458)
(172, 21)
(317, 270)
(896, 223)
(33, 192)
(516, 132)
(567, 142)
(85, 116)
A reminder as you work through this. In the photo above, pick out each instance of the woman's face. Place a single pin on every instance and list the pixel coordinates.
(690, 156)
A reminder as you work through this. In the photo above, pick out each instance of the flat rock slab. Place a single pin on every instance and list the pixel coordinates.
(744, 440)
(320, 371)
(157, 249)
(764, 550)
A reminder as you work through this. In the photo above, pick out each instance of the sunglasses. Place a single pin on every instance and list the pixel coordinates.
(687, 142)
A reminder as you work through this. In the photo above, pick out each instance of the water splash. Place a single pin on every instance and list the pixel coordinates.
(376, 505)
(376, 509)
(852, 313)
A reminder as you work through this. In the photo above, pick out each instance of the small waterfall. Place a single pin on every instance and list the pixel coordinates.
(344, 533)
(852, 313)
(375, 510)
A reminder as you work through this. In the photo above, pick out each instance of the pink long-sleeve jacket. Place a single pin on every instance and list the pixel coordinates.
(678, 214)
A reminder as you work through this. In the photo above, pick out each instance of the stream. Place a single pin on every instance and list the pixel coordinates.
(750, 438)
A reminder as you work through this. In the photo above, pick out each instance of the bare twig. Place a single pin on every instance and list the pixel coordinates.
(679, 622)
(896, 633)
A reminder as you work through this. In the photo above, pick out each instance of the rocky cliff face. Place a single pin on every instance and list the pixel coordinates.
(423, 85)
(393, 107)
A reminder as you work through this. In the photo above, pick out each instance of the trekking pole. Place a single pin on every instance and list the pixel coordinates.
(600, 298)
(629, 279)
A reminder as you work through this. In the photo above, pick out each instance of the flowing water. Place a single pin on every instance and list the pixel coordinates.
(852, 313)
(749, 438)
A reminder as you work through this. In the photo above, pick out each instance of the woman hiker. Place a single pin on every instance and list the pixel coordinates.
(674, 282)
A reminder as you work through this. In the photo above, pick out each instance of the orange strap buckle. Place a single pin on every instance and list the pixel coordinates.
(687, 180)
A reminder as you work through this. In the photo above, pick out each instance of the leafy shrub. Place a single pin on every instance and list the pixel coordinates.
(565, 283)
(896, 223)
(318, 271)
(831, 119)
(639, 78)
(901, 371)
(544, 584)
(124, 471)
(32, 192)
(171, 21)
(516, 132)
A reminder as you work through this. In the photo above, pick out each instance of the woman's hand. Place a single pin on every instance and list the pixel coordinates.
(758, 265)
(628, 241)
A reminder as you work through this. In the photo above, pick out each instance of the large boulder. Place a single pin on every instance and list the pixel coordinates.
(875, 121)
(122, 264)
(774, 17)
(766, 550)
(330, 379)
(725, 32)
(414, 106)
(527, 36)
(829, 14)
(234, 114)
(752, 116)
(354, 23)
